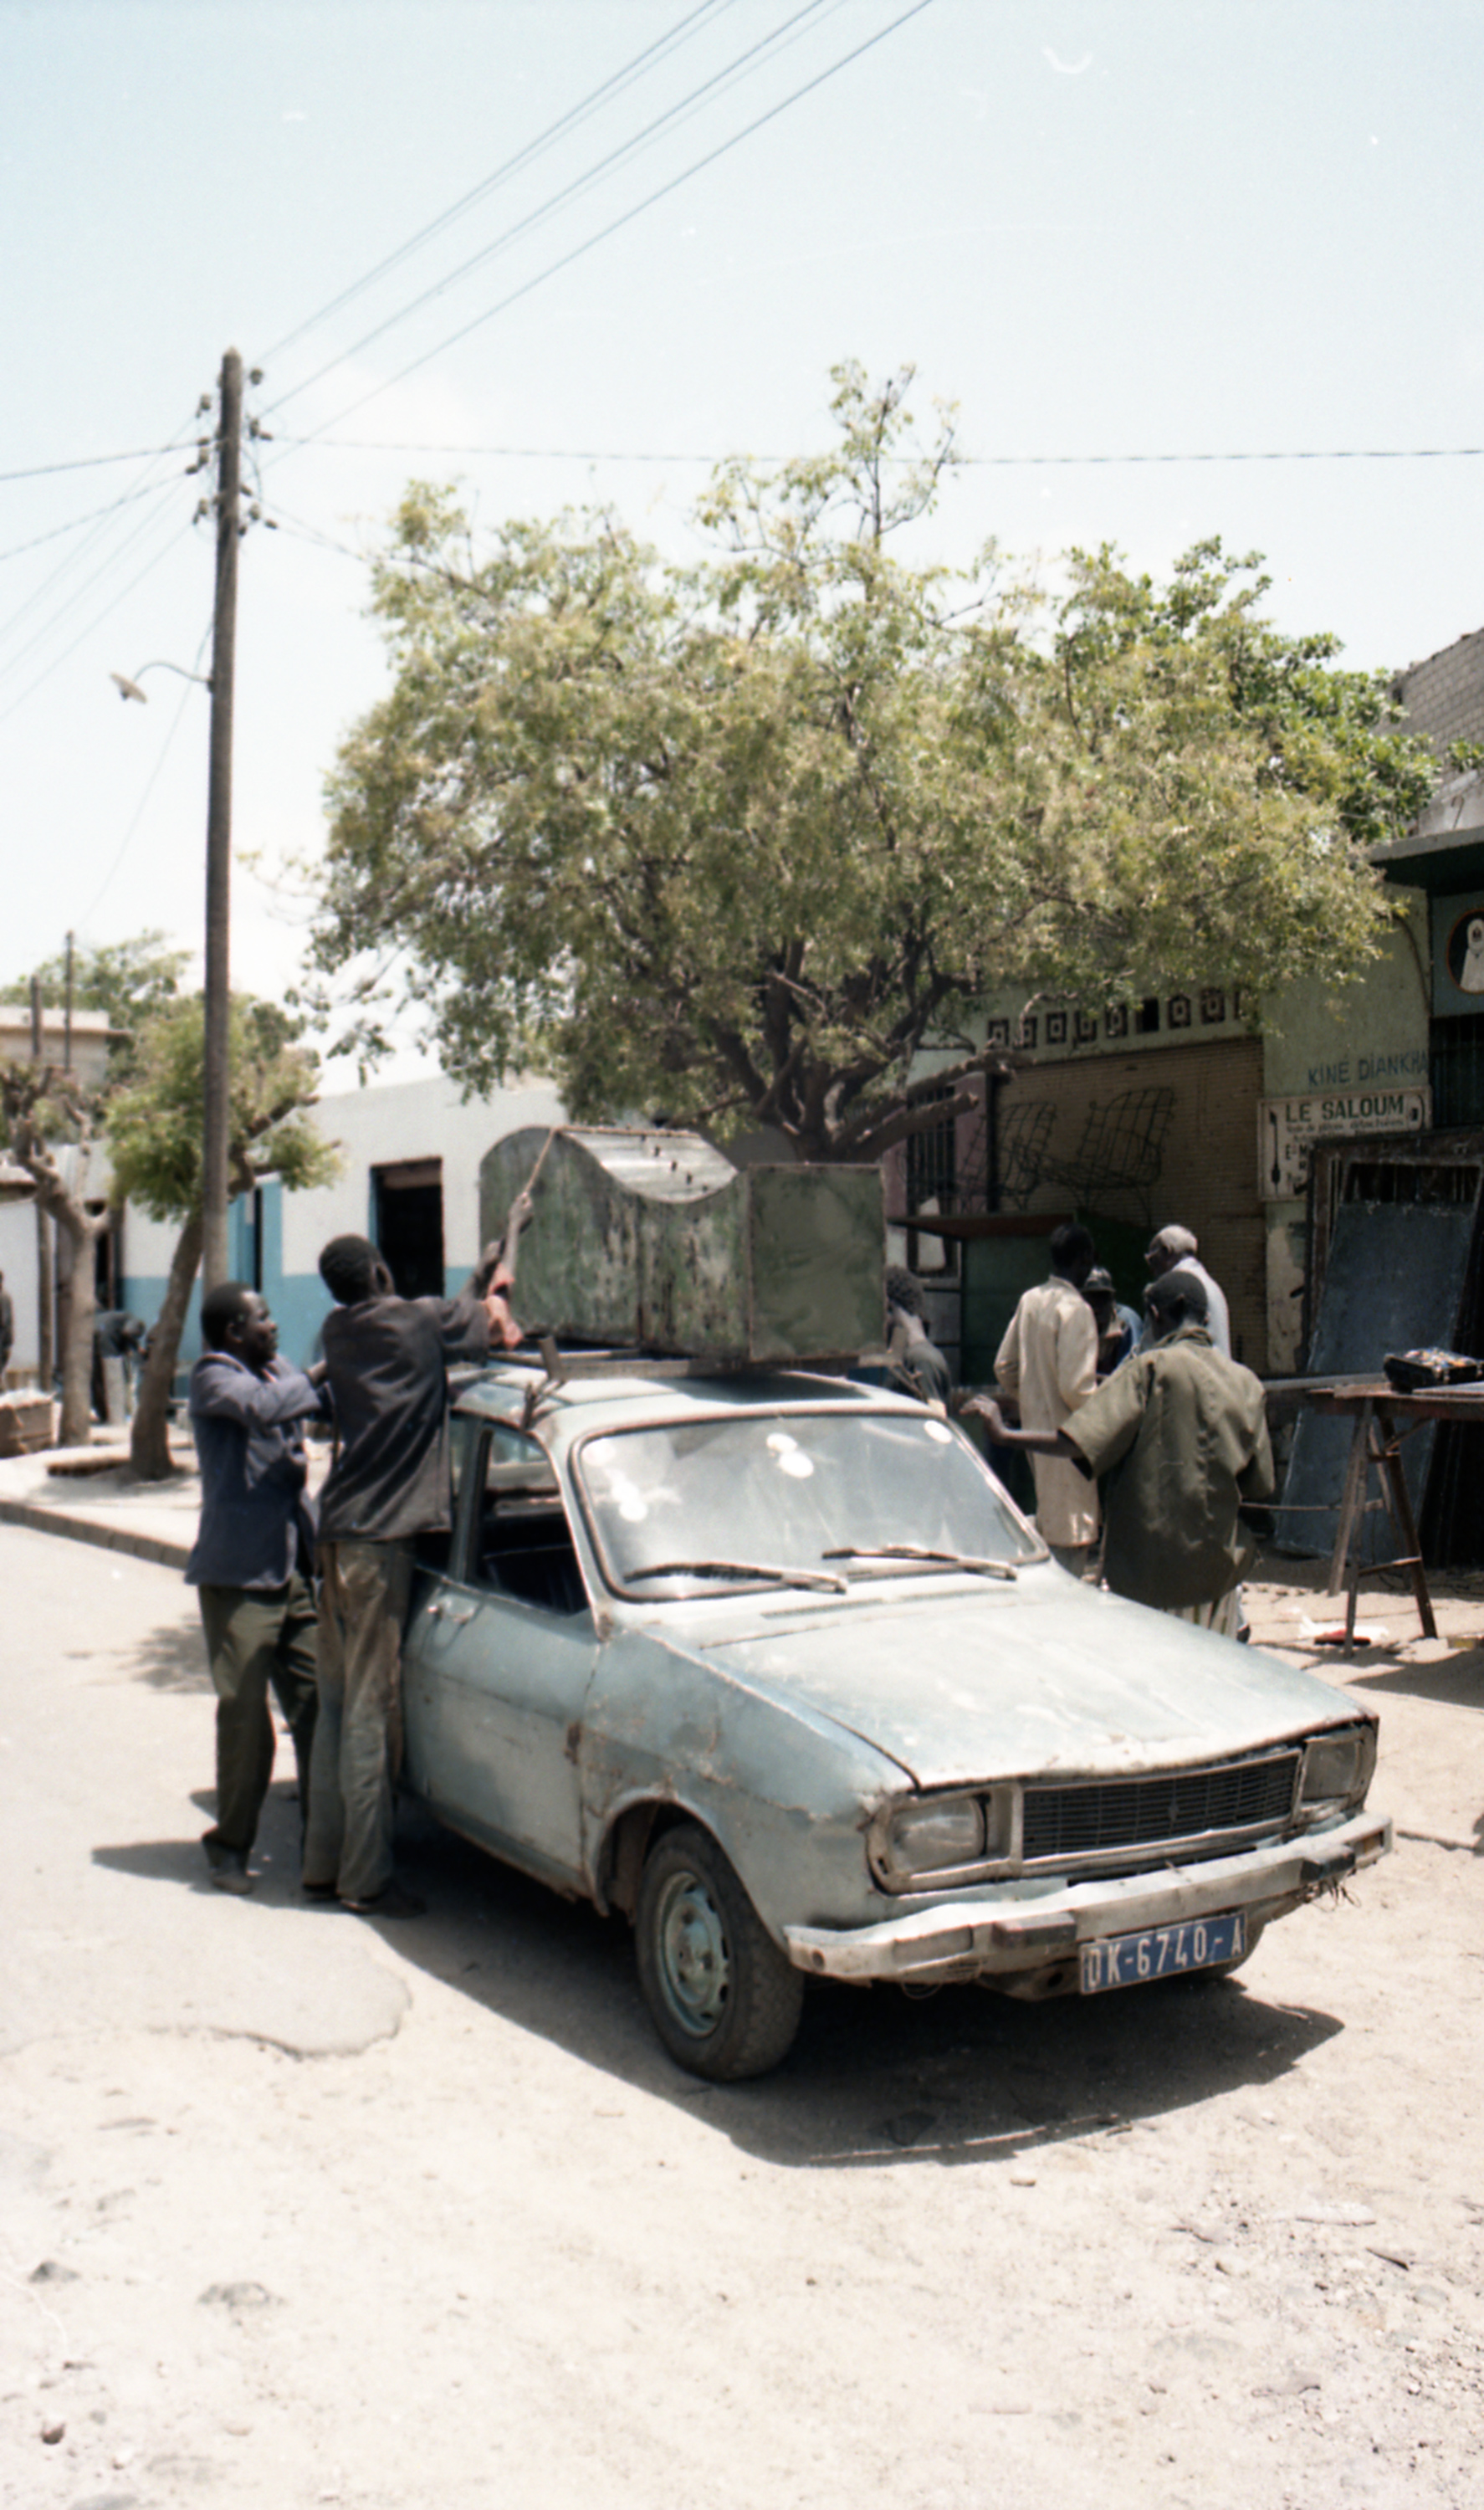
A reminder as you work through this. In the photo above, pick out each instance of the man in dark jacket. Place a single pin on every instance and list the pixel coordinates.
(252, 1561)
(1178, 1439)
(386, 1359)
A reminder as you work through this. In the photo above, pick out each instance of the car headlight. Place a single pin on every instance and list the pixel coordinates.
(935, 1834)
(1337, 1768)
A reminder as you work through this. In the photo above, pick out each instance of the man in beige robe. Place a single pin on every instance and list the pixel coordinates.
(1048, 1364)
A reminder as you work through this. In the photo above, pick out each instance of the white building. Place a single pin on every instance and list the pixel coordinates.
(409, 1179)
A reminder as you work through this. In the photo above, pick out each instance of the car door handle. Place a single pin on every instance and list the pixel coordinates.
(439, 1610)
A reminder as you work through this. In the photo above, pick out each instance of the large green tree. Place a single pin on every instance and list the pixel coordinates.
(737, 840)
(154, 1143)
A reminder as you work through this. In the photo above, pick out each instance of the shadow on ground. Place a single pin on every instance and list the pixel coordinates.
(1455, 1680)
(875, 2076)
(172, 1657)
(275, 1857)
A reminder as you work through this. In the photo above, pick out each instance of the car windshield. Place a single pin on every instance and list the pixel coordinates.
(759, 1498)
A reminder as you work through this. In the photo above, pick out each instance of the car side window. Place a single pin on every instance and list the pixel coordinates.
(524, 1541)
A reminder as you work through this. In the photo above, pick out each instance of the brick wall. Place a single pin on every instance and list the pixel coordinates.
(1444, 696)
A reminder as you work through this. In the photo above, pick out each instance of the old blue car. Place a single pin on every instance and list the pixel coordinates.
(772, 1666)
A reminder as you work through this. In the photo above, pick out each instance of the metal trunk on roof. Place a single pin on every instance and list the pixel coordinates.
(653, 1241)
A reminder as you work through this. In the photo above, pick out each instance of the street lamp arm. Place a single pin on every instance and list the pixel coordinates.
(130, 688)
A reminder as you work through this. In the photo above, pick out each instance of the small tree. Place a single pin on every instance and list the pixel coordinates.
(131, 980)
(43, 1106)
(154, 1141)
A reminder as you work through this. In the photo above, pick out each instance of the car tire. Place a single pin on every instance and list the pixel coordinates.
(723, 1999)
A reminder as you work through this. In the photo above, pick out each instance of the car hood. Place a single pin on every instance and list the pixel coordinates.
(1043, 1677)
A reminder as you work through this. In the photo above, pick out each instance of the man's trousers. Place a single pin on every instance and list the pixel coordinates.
(258, 1639)
(364, 1588)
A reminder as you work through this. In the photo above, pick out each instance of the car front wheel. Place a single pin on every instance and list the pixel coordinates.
(722, 1996)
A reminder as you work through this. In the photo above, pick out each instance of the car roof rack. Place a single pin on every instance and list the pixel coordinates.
(557, 1365)
(552, 1365)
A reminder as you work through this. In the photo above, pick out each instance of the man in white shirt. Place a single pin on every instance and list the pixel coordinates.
(1175, 1249)
(1048, 1364)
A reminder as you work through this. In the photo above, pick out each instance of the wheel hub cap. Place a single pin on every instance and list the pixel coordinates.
(693, 1953)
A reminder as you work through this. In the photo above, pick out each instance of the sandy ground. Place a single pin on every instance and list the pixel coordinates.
(295, 2209)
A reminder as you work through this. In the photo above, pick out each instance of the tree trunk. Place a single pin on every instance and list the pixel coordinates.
(25, 1090)
(149, 1441)
(81, 1231)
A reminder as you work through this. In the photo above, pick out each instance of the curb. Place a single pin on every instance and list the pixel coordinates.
(108, 1537)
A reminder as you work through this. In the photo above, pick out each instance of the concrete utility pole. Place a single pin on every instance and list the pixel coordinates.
(217, 1073)
(46, 1262)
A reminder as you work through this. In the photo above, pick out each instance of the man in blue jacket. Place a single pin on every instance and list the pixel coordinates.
(253, 1562)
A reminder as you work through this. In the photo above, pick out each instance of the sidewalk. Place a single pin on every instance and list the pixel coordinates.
(105, 1504)
(153, 1520)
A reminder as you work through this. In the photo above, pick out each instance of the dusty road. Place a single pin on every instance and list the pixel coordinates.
(294, 2210)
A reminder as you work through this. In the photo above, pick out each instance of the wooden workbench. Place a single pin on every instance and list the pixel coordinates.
(1383, 1418)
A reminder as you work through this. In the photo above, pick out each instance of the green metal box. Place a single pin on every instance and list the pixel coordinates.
(655, 1241)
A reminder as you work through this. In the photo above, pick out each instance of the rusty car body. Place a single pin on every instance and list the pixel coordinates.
(772, 1666)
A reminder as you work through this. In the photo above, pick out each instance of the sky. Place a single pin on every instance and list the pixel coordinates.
(1104, 229)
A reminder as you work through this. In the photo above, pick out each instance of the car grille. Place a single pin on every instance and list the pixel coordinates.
(1185, 1807)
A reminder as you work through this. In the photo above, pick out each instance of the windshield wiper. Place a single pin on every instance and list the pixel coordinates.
(817, 1579)
(920, 1551)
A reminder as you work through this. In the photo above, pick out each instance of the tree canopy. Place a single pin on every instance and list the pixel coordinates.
(736, 840)
(131, 980)
(153, 1122)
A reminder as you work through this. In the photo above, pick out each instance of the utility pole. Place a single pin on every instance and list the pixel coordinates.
(46, 1270)
(216, 1075)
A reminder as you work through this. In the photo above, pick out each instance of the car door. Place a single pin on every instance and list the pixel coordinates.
(504, 1652)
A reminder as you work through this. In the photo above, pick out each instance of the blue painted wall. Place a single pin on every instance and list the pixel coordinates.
(299, 1301)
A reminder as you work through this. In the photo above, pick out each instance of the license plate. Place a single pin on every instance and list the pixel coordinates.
(1124, 1960)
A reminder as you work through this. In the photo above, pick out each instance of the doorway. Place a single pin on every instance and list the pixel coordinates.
(408, 1201)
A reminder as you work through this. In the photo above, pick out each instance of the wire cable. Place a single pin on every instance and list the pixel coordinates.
(964, 461)
(127, 839)
(97, 535)
(767, 47)
(130, 497)
(94, 461)
(297, 529)
(534, 148)
(626, 218)
(63, 609)
(96, 621)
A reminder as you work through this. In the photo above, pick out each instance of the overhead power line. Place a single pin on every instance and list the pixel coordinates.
(627, 217)
(96, 621)
(966, 461)
(767, 47)
(93, 460)
(91, 546)
(104, 885)
(36, 636)
(652, 54)
(299, 530)
(1317, 454)
(98, 514)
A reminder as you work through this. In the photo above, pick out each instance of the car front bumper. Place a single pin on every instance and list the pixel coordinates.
(1004, 1938)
